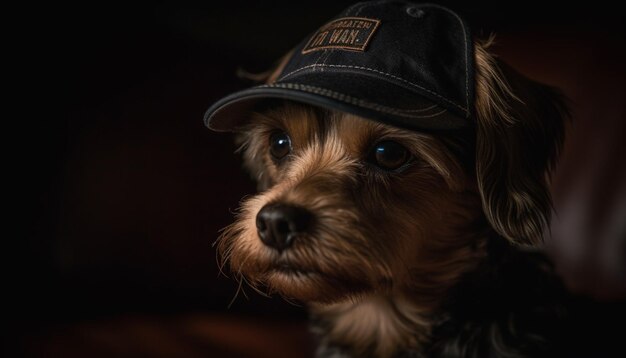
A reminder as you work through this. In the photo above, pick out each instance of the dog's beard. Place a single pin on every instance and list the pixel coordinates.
(320, 267)
(372, 231)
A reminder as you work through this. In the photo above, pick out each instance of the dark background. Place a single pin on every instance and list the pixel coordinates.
(117, 190)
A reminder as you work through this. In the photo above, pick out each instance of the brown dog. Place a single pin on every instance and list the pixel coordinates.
(372, 224)
(403, 240)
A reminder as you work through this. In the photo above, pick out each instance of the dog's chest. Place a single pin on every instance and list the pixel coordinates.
(373, 327)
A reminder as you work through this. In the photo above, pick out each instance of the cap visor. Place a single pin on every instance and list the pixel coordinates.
(366, 96)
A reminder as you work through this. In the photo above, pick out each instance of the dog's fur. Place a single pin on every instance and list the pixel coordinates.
(432, 259)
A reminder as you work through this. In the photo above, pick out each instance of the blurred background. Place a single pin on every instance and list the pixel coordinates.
(117, 190)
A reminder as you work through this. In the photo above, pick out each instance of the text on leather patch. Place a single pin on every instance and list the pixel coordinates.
(346, 33)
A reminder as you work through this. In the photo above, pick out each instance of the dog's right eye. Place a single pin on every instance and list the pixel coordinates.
(390, 155)
(280, 145)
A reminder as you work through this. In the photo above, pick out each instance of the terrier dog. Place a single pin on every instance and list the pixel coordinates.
(404, 242)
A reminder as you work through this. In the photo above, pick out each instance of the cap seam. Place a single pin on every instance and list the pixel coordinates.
(375, 71)
(355, 101)
(466, 53)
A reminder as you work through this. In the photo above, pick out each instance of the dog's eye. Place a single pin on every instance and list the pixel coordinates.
(280, 145)
(390, 155)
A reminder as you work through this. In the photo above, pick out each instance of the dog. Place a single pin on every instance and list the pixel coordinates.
(404, 242)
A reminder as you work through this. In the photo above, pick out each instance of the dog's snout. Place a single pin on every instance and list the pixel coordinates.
(278, 224)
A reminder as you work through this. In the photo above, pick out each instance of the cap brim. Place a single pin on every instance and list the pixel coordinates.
(352, 93)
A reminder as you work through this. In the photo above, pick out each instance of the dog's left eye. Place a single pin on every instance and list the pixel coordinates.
(390, 155)
(280, 145)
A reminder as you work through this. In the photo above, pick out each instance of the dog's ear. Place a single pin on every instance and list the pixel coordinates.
(269, 76)
(520, 130)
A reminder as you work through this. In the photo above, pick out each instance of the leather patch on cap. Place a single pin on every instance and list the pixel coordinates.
(346, 33)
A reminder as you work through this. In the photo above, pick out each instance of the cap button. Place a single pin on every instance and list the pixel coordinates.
(415, 12)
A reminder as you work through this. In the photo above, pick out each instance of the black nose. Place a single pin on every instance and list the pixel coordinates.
(278, 224)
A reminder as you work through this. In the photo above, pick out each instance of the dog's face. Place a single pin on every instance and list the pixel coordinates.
(350, 206)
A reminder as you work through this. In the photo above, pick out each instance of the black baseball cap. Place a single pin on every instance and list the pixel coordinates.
(397, 62)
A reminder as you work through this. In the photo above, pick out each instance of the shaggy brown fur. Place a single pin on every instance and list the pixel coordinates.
(386, 247)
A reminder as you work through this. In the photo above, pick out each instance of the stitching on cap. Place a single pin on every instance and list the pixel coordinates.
(356, 14)
(326, 52)
(352, 100)
(379, 72)
(421, 109)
